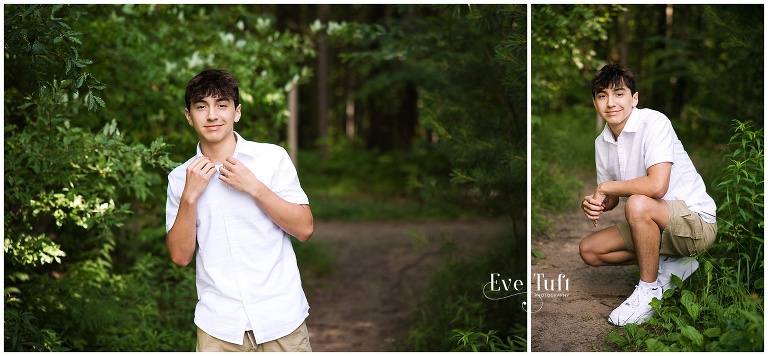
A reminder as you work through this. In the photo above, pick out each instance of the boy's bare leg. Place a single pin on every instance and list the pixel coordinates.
(606, 248)
(647, 217)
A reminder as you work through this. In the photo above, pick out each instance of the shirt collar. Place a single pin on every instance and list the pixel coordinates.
(632, 125)
(238, 145)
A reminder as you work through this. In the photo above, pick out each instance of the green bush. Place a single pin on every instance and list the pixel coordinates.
(66, 201)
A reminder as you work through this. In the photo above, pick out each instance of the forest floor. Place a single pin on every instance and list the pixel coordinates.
(381, 271)
(576, 318)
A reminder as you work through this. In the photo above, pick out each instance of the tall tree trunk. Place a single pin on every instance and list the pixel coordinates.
(682, 21)
(293, 123)
(407, 117)
(624, 39)
(324, 10)
(349, 107)
(659, 100)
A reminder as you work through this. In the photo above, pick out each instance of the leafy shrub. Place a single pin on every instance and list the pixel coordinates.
(741, 219)
(478, 341)
(65, 202)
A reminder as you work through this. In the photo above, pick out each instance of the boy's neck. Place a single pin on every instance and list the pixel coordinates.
(218, 152)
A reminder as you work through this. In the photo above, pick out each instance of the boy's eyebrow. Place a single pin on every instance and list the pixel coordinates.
(604, 90)
(204, 102)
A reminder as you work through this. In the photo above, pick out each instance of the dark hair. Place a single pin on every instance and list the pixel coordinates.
(611, 76)
(212, 82)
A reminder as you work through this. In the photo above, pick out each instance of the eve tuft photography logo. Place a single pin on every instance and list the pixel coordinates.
(501, 288)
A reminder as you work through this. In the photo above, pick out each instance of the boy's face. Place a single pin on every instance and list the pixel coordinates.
(615, 105)
(213, 118)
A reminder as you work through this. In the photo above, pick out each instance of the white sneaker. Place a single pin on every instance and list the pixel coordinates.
(636, 309)
(682, 267)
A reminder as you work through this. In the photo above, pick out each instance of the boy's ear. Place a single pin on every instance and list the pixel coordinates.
(238, 112)
(189, 116)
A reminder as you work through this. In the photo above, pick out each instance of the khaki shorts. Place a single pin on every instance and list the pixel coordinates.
(296, 341)
(687, 234)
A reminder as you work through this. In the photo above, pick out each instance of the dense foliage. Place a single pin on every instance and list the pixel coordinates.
(66, 199)
(699, 64)
(468, 66)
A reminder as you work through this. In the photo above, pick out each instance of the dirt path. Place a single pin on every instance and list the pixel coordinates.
(575, 319)
(381, 269)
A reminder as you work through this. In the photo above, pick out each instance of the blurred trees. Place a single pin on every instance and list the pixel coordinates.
(93, 123)
(702, 65)
(461, 72)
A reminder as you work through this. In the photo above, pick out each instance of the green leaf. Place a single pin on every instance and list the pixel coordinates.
(537, 254)
(712, 332)
(616, 338)
(692, 334)
(688, 299)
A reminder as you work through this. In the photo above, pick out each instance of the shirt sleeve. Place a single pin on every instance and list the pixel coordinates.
(287, 184)
(602, 172)
(658, 144)
(171, 205)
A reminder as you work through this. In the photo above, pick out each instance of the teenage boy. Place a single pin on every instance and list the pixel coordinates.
(670, 217)
(236, 202)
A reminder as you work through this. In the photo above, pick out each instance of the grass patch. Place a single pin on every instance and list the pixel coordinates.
(358, 185)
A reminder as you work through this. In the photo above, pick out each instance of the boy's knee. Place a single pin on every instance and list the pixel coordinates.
(587, 254)
(638, 206)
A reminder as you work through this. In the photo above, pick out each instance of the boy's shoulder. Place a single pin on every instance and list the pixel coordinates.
(651, 115)
(253, 147)
(262, 151)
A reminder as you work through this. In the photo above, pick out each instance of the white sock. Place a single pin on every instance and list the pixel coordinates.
(651, 285)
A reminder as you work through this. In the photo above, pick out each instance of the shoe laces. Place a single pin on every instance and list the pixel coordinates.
(634, 299)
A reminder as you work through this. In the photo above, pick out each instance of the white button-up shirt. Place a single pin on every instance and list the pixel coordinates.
(648, 139)
(247, 275)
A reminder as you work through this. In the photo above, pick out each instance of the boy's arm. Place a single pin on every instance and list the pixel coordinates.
(295, 219)
(653, 185)
(182, 237)
(606, 195)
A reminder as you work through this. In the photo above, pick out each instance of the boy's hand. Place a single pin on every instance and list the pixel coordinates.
(238, 176)
(199, 173)
(593, 206)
